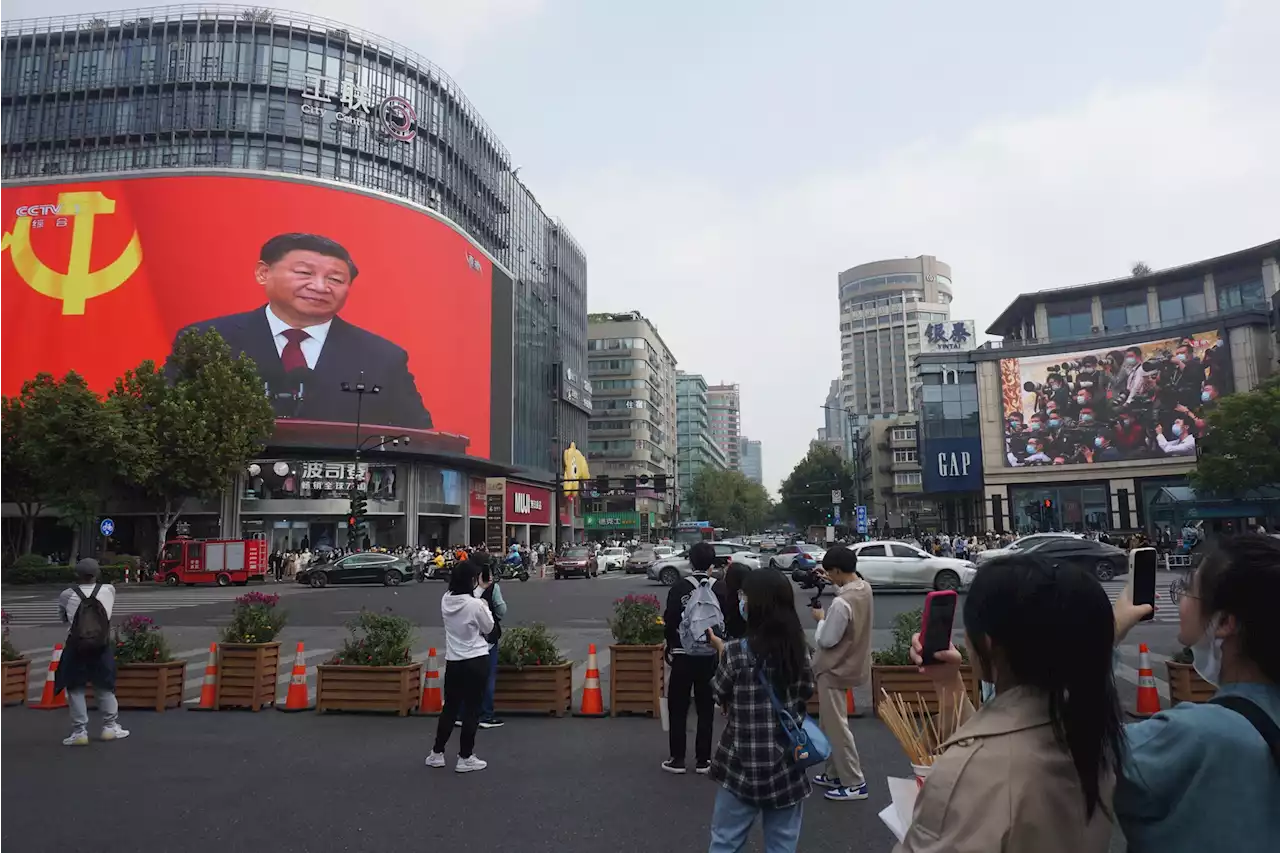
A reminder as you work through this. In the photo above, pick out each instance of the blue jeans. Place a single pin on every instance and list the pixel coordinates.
(732, 819)
(486, 704)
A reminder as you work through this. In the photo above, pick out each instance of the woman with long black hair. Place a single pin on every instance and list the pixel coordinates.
(467, 619)
(735, 624)
(752, 762)
(1032, 771)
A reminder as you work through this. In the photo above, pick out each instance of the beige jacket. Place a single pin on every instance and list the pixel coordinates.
(848, 662)
(1004, 785)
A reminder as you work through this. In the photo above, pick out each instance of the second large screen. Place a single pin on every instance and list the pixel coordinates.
(1140, 402)
(320, 286)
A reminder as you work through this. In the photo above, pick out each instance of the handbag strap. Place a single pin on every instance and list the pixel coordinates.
(1259, 718)
(784, 716)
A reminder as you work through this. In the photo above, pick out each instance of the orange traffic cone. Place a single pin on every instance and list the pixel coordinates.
(209, 689)
(48, 699)
(296, 699)
(1148, 696)
(850, 706)
(592, 698)
(432, 698)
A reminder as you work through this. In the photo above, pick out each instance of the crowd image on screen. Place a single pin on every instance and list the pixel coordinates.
(1133, 403)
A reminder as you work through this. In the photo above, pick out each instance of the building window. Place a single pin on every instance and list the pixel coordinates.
(1235, 291)
(1120, 312)
(1182, 301)
(906, 478)
(904, 456)
(904, 434)
(1072, 320)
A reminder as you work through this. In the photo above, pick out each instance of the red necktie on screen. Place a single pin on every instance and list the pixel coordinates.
(291, 358)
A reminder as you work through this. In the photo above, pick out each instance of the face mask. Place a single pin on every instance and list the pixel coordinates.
(1086, 419)
(1181, 357)
(988, 691)
(1015, 425)
(1082, 400)
(1130, 361)
(1206, 654)
(1205, 396)
(742, 608)
(1035, 426)
(1031, 448)
(1097, 442)
(1055, 423)
(1177, 429)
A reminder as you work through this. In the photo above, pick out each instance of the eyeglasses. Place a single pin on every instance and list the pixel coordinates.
(1179, 589)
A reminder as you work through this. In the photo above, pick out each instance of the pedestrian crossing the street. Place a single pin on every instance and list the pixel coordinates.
(1165, 609)
(33, 611)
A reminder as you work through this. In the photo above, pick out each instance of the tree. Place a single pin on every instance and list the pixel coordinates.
(190, 427)
(806, 494)
(1241, 451)
(728, 499)
(60, 448)
(1141, 268)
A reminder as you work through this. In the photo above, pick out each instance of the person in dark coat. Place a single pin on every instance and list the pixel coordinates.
(76, 671)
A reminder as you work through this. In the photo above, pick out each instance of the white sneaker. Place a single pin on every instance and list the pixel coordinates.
(114, 731)
(80, 738)
(435, 759)
(471, 762)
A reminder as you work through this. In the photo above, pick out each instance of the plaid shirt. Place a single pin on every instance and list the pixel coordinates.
(752, 760)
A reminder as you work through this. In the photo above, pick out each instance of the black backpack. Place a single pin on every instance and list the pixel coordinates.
(91, 629)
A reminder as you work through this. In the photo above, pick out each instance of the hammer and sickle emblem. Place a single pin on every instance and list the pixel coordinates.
(78, 284)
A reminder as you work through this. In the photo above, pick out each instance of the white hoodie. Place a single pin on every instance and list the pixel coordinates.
(466, 620)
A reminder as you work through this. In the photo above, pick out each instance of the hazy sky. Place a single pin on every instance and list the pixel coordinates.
(721, 161)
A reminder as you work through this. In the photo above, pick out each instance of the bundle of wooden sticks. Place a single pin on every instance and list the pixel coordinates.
(919, 731)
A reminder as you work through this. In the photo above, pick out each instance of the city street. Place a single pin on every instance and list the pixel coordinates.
(358, 782)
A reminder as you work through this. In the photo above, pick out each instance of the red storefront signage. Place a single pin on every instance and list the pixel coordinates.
(528, 504)
(477, 498)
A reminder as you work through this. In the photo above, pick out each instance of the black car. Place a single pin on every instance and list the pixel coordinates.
(1102, 560)
(359, 568)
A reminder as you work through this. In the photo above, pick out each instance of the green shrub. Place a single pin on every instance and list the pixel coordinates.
(8, 649)
(255, 619)
(139, 640)
(637, 621)
(1184, 656)
(906, 624)
(377, 639)
(529, 645)
(30, 561)
(44, 573)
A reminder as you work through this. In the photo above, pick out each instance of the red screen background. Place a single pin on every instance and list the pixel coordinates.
(200, 238)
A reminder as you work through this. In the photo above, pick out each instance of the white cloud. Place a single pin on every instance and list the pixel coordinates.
(740, 277)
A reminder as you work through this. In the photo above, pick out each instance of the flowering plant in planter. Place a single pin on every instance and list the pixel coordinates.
(255, 619)
(139, 640)
(10, 653)
(637, 621)
(529, 645)
(377, 639)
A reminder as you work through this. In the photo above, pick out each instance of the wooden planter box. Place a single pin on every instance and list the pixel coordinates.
(909, 681)
(368, 688)
(151, 685)
(1186, 685)
(534, 689)
(247, 675)
(15, 681)
(635, 680)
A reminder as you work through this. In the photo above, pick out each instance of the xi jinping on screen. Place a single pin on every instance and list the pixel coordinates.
(305, 351)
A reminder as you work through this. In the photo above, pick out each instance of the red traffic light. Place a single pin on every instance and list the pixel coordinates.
(1048, 504)
(351, 522)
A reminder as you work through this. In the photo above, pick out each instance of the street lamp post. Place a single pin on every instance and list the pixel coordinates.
(359, 388)
(855, 447)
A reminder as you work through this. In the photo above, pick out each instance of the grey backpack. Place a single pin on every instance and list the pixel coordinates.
(701, 611)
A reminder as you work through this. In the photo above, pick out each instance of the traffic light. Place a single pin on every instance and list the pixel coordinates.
(356, 522)
(602, 484)
(1048, 504)
(629, 485)
(351, 524)
(660, 483)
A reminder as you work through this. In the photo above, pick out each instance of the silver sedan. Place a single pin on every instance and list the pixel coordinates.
(669, 570)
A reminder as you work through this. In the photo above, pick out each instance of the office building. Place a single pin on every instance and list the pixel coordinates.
(949, 443)
(752, 463)
(1079, 418)
(696, 451)
(632, 431)
(725, 412)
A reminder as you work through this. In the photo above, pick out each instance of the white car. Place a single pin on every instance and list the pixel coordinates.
(902, 566)
(1023, 544)
(670, 569)
(612, 558)
(664, 551)
(785, 557)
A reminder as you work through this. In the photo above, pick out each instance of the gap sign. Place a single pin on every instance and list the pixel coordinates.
(951, 464)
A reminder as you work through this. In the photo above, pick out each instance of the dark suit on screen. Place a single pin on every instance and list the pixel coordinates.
(347, 352)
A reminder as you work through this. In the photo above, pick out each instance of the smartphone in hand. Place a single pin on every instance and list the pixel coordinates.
(935, 627)
(1142, 568)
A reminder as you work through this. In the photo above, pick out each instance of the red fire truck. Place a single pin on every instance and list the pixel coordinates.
(220, 561)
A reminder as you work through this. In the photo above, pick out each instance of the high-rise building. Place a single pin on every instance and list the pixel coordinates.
(695, 449)
(884, 306)
(752, 461)
(724, 410)
(632, 430)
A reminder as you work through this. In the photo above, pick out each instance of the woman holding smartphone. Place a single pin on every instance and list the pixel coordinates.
(1032, 770)
(467, 619)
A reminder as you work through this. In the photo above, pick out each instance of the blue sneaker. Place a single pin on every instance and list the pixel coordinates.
(858, 793)
(826, 781)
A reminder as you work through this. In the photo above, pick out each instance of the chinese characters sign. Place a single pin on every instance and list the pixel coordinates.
(948, 336)
(357, 104)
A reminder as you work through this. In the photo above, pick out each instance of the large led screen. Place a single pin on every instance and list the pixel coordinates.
(320, 286)
(1139, 402)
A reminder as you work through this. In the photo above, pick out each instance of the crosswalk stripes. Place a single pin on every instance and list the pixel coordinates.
(1165, 610)
(37, 611)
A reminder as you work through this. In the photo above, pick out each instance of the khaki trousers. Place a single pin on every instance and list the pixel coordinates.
(833, 717)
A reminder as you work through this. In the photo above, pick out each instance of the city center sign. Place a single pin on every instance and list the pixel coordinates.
(394, 114)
